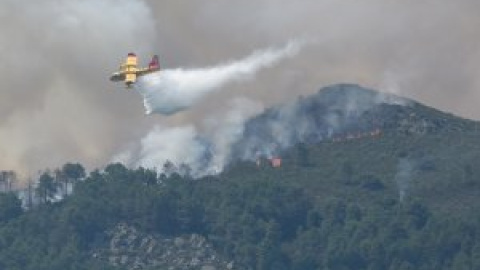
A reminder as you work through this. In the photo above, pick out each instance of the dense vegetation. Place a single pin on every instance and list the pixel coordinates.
(397, 200)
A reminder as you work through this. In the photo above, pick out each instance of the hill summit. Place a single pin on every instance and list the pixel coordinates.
(336, 111)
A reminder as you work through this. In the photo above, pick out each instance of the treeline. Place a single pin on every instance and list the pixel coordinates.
(255, 218)
(49, 186)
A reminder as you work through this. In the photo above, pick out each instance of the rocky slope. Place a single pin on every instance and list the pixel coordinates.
(131, 249)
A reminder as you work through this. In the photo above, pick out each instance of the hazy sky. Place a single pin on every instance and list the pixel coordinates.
(56, 56)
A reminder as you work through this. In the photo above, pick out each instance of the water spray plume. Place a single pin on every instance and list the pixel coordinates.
(173, 90)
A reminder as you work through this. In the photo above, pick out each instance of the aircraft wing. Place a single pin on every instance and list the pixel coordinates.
(116, 77)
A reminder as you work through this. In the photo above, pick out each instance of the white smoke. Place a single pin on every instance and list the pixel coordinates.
(204, 153)
(405, 171)
(178, 145)
(226, 135)
(172, 90)
(229, 130)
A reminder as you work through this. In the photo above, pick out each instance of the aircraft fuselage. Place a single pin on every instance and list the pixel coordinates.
(129, 71)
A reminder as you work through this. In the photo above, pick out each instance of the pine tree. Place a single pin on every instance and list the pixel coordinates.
(47, 188)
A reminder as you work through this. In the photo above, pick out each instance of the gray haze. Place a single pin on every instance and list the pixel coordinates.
(57, 104)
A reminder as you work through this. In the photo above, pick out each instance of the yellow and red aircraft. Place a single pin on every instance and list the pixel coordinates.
(129, 71)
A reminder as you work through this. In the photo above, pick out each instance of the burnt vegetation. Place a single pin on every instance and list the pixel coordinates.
(406, 197)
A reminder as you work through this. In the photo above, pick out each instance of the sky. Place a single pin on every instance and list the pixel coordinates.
(57, 104)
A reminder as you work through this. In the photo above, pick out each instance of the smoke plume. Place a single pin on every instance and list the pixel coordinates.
(244, 132)
(56, 56)
(405, 171)
(172, 90)
(204, 153)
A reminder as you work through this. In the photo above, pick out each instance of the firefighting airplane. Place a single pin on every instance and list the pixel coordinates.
(129, 71)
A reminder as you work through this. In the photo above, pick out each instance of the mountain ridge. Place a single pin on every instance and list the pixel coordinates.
(406, 197)
(338, 110)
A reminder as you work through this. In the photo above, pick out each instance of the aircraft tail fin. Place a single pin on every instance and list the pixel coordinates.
(155, 63)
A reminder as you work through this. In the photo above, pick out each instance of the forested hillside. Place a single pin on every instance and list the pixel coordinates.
(394, 186)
